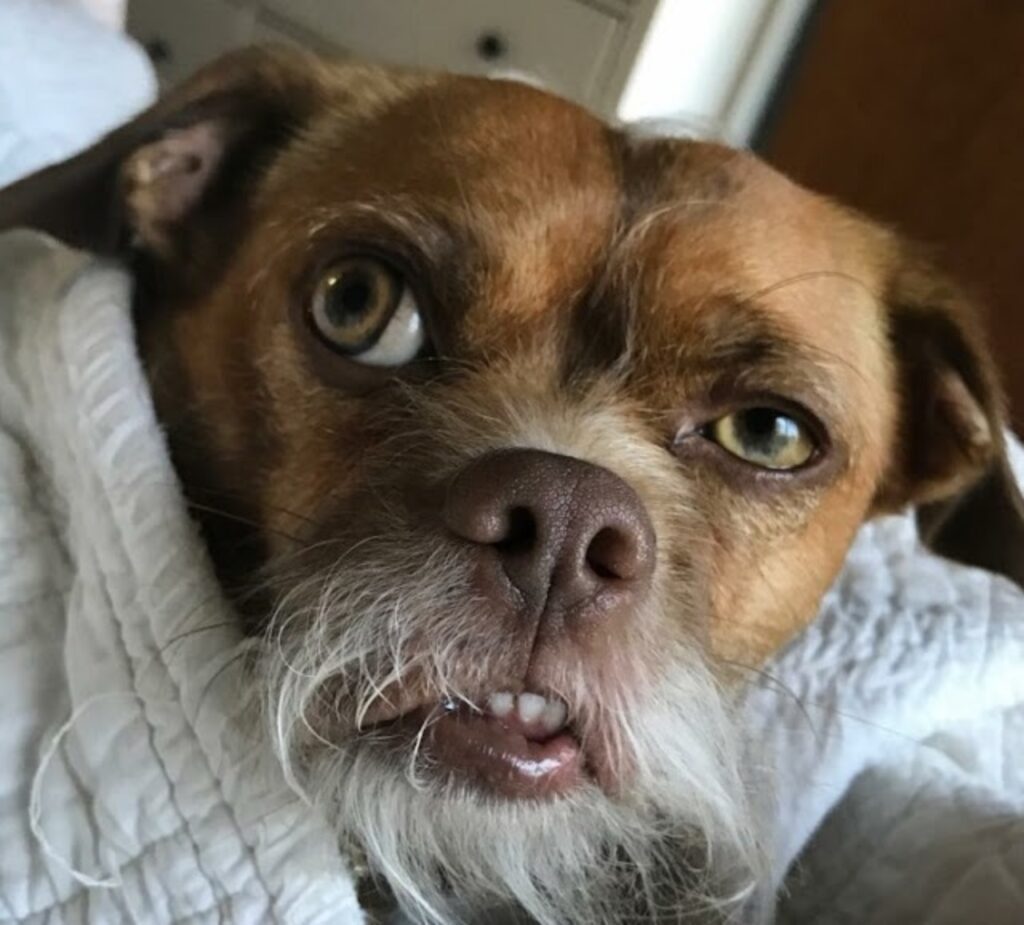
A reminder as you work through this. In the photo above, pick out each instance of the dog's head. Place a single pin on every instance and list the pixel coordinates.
(541, 434)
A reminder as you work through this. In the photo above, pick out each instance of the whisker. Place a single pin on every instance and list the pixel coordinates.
(779, 685)
(238, 518)
(207, 688)
(196, 630)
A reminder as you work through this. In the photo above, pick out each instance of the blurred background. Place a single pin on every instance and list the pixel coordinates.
(912, 110)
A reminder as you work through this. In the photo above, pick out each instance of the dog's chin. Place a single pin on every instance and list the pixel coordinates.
(451, 853)
(462, 814)
(614, 795)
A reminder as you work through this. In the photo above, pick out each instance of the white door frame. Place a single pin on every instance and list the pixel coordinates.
(712, 64)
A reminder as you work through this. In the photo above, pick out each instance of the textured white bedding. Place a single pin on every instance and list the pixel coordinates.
(898, 717)
(129, 790)
(64, 80)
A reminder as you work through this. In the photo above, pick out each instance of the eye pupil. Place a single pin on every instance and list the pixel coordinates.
(352, 298)
(762, 423)
(767, 429)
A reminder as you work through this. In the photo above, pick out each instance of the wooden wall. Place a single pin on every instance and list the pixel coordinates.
(913, 110)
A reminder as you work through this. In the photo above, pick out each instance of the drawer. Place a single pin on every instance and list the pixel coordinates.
(270, 27)
(182, 35)
(565, 43)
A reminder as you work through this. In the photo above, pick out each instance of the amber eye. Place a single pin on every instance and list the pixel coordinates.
(765, 437)
(365, 310)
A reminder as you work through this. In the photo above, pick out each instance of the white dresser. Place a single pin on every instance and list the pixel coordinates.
(580, 48)
(709, 61)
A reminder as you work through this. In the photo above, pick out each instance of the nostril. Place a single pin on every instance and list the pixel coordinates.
(520, 531)
(611, 555)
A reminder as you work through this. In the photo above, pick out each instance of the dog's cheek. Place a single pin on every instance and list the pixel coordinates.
(306, 481)
(209, 395)
(772, 569)
(278, 445)
(320, 463)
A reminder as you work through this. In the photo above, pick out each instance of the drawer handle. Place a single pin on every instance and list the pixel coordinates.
(158, 50)
(491, 46)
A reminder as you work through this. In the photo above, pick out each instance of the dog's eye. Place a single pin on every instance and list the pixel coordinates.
(765, 437)
(365, 310)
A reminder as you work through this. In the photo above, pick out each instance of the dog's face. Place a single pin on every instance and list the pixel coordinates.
(542, 434)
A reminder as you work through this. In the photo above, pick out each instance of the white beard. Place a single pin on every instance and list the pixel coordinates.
(681, 851)
(680, 843)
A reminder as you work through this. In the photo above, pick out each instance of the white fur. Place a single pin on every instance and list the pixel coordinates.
(686, 797)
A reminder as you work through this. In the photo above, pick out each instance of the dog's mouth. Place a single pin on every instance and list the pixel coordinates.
(514, 745)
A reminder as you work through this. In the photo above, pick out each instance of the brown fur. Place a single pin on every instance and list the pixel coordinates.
(585, 292)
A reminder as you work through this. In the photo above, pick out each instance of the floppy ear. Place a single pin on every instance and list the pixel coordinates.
(951, 455)
(167, 182)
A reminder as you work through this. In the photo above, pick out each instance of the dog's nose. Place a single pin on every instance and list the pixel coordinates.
(571, 537)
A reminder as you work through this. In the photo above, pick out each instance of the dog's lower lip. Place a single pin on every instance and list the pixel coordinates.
(498, 756)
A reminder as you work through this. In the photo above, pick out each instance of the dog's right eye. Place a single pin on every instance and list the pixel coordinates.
(765, 437)
(365, 310)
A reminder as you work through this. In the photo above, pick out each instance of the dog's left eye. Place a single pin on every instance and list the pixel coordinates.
(765, 437)
(364, 309)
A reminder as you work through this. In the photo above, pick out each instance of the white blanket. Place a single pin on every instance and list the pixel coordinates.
(64, 80)
(900, 711)
(132, 790)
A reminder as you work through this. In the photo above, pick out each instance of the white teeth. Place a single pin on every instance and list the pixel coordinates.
(530, 707)
(501, 704)
(549, 713)
(554, 715)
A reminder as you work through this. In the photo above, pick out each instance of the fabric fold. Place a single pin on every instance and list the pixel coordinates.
(135, 790)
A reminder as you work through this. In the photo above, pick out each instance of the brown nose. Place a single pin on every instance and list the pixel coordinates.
(570, 537)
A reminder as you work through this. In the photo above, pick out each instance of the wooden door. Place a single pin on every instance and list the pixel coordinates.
(913, 110)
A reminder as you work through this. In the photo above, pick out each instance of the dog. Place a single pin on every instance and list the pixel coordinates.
(519, 440)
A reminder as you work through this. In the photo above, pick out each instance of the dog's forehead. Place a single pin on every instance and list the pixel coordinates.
(439, 126)
(514, 147)
(711, 226)
(551, 203)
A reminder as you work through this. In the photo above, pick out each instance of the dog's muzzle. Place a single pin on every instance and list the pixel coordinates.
(567, 551)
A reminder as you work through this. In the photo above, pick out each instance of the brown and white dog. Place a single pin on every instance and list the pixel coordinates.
(519, 440)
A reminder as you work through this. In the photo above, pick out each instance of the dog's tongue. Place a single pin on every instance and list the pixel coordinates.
(505, 756)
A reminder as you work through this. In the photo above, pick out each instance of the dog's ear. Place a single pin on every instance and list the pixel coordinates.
(176, 170)
(951, 458)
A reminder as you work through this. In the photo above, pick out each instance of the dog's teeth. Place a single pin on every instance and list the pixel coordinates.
(531, 706)
(533, 709)
(501, 704)
(554, 715)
